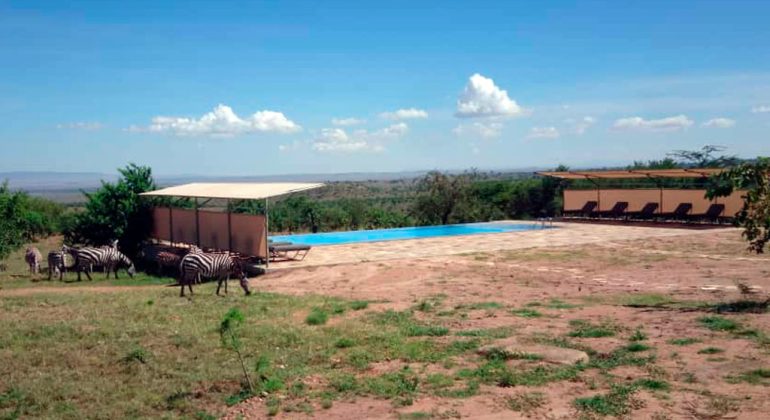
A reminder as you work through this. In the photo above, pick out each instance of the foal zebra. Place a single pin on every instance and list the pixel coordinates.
(109, 258)
(57, 263)
(33, 257)
(218, 266)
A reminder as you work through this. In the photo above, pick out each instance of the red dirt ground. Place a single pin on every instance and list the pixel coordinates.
(702, 267)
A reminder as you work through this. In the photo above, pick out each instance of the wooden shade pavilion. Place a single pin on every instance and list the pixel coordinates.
(667, 199)
(246, 234)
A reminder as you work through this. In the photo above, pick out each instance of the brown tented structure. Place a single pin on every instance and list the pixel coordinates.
(667, 199)
(245, 234)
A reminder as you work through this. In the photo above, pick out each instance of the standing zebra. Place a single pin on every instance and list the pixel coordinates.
(33, 257)
(57, 263)
(110, 258)
(218, 266)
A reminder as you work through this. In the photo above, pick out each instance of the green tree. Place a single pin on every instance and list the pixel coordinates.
(115, 211)
(754, 217)
(438, 197)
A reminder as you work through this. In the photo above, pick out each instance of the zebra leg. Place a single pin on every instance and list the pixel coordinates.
(227, 280)
(87, 275)
(50, 272)
(219, 284)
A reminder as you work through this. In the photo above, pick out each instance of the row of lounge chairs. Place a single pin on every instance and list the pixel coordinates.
(287, 251)
(649, 212)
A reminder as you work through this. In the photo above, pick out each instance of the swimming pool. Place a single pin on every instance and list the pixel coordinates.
(354, 236)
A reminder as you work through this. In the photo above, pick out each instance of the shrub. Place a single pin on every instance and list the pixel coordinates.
(317, 316)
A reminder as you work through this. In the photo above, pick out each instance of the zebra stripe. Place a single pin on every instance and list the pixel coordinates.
(213, 266)
(57, 263)
(109, 258)
(33, 257)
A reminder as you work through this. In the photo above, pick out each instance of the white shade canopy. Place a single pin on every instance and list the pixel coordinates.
(233, 190)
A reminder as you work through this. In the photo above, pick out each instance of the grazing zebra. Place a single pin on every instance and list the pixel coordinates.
(218, 266)
(33, 257)
(110, 258)
(57, 263)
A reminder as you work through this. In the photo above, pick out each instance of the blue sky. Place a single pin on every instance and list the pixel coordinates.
(273, 87)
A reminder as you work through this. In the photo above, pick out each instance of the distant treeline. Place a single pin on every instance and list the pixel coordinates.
(115, 211)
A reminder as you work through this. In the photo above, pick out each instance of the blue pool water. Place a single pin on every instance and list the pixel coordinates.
(336, 238)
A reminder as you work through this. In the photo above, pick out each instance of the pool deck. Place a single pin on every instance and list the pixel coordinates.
(567, 234)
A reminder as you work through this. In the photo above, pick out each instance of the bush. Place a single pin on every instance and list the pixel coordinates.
(115, 211)
(24, 218)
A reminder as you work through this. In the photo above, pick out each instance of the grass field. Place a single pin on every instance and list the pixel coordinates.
(98, 350)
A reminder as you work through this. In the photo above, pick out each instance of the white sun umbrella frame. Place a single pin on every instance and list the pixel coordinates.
(234, 191)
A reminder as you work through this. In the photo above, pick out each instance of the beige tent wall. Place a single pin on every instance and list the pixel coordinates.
(733, 203)
(636, 199)
(213, 228)
(576, 199)
(249, 234)
(672, 199)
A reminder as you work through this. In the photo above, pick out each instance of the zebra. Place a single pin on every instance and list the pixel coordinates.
(57, 262)
(218, 266)
(33, 257)
(109, 258)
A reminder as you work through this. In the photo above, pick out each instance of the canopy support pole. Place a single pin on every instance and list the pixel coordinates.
(197, 226)
(267, 233)
(229, 228)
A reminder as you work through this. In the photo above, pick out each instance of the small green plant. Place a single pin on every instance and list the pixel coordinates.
(754, 377)
(343, 343)
(525, 402)
(317, 316)
(653, 384)
(501, 332)
(637, 347)
(638, 335)
(480, 305)
(358, 305)
(229, 329)
(137, 354)
(615, 403)
(526, 313)
(559, 304)
(585, 329)
(683, 341)
(710, 350)
(415, 330)
(718, 323)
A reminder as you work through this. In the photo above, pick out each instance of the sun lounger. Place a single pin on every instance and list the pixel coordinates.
(288, 252)
(588, 210)
(712, 215)
(646, 213)
(681, 213)
(616, 212)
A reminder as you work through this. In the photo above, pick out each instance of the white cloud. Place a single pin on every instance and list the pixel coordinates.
(478, 129)
(719, 123)
(580, 126)
(345, 122)
(222, 122)
(760, 109)
(543, 133)
(675, 123)
(339, 140)
(404, 114)
(81, 125)
(482, 98)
